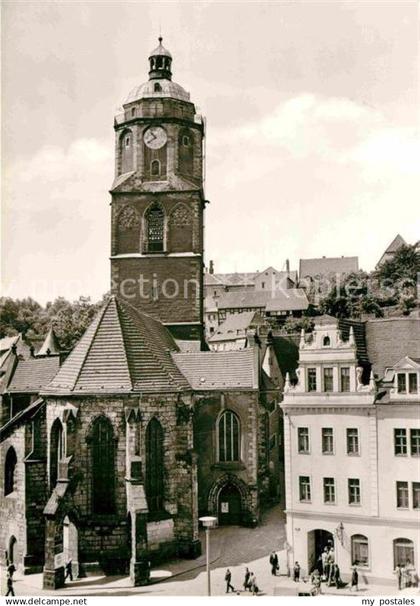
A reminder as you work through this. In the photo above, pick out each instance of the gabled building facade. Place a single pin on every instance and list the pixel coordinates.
(352, 445)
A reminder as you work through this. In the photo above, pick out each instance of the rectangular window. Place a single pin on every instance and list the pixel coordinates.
(329, 490)
(352, 441)
(402, 383)
(354, 491)
(328, 379)
(416, 494)
(303, 439)
(311, 379)
(402, 495)
(400, 442)
(412, 382)
(327, 440)
(345, 379)
(304, 488)
(415, 442)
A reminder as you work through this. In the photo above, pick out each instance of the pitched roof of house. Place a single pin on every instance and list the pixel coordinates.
(237, 278)
(236, 325)
(389, 340)
(239, 299)
(122, 351)
(29, 411)
(290, 299)
(208, 371)
(211, 280)
(50, 344)
(396, 243)
(325, 266)
(31, 376)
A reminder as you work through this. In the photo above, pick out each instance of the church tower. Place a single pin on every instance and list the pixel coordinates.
(158, 202)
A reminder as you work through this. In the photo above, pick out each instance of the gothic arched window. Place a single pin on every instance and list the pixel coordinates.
(56, 450)
(155, 229)
(9, 471)
(103, 466)
(154, 466)
(229, 437)
(186, 152)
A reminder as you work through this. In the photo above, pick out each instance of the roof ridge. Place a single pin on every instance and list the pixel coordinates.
(117, 307)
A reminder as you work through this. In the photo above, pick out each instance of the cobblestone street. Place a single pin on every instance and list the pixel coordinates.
(231, 546)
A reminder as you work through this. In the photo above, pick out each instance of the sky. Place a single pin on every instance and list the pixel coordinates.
(312, 143)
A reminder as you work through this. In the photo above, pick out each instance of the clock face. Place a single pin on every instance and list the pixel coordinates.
(155, 137)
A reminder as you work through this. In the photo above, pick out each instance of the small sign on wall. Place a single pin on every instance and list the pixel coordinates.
(224, 507)
(59, 560)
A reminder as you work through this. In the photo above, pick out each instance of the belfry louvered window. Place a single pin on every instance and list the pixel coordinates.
(155, 222)
(229, 437)
(154, 466)
(103, 467)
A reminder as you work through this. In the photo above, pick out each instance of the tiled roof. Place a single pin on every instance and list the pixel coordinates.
(30, 376)
(237, 278)
(219, 370)
(396, 243)
(359, 331)
(234, 325)
(327, 266)
(7, 342)
(29, 411)
(291, 299)
(50, 344)
(239, 299)
(122, 351)
(211, 280)
(389, 340)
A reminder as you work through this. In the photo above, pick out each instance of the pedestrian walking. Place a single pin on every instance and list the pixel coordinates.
(69, 570)
(254, 586)
(11, 569)
(354, 579)
(247, 584)
(296, 572)
(398, 573)
(10, 590)
(228, 578)
(274, 562)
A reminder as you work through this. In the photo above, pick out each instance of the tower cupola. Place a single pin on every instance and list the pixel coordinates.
(160, 63)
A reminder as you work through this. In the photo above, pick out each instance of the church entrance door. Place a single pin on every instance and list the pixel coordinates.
(229, 505)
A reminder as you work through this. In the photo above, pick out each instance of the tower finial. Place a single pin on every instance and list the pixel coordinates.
(160, 38)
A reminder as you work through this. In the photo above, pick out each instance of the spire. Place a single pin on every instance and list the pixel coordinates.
(50, 345)
(160, 61)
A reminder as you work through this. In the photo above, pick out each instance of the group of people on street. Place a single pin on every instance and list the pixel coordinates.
(406, 575)
(249, 584)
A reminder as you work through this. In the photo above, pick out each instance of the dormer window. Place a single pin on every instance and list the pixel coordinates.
(133, 112)
(157, 87)
(326, 342)
(407, 382)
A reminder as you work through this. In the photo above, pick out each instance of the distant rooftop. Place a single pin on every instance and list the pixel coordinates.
(327, 266)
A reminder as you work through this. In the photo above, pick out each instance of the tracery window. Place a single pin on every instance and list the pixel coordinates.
(229, 435)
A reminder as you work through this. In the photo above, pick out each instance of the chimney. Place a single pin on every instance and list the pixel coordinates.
(288, 267)
(211, 267)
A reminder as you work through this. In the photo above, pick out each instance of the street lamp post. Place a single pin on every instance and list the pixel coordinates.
(208, 522)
